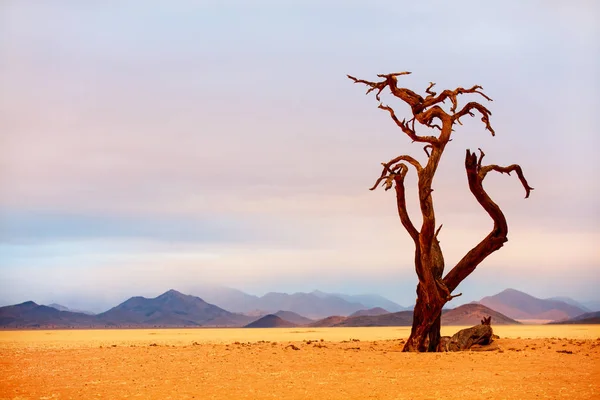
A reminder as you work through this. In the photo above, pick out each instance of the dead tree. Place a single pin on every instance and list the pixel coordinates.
(434, 290)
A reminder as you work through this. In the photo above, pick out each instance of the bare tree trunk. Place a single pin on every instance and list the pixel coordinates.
(425, 333)
(433, 291)
(426, 324)
(435, 334)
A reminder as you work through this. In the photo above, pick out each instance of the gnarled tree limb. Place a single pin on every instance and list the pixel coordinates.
(468, 109)
(379, 86)
(401, 204)
(426, 110)
(499, 234)
(507, 170)
(430, 92)
(390, 168)
(452, 95)
(410, 131)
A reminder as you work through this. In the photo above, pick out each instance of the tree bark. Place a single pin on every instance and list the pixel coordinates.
(425, 331)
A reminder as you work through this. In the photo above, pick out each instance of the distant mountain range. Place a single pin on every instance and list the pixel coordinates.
(521, 306)
(314, 305)
(472, 314)
(368, 300)
(590, 306)
(170, 309)
(318, 305)
(293, 317)
(271, 321)
(467, 314)
(400, 318)
(63, 308)
(32, 315)
(587, 318)
(370, 312)
(174, 309)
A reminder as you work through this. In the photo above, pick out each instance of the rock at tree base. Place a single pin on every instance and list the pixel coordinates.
(478, 337)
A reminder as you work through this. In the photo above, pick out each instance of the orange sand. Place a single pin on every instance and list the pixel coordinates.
(351, 363)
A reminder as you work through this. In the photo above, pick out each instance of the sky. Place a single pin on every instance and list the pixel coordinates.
(153, 145)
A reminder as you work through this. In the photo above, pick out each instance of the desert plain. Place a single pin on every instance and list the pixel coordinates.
(532, 362)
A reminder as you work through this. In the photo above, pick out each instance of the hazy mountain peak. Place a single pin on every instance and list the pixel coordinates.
(519, 305)
(293, 317)
(570, 301)
(174, 295)
(171, 293)
(60, 307)
(511, 291)
(271, 321)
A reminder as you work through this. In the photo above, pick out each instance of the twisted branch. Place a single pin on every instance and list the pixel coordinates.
(410, 131)
(426, 110)
(483, 170)
(452, 95)
(507, 170)
(394, 171)
(430, 92)
(485, 115)
(379, 86)
(401, 203)
(499, 234)
(391, 168)
(426, 149)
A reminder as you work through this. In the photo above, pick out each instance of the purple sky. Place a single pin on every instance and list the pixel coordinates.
(150, 146)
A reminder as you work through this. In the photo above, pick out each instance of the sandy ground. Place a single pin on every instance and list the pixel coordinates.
(535, 362)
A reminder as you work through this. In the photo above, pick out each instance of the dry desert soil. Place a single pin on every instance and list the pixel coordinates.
(534, 362)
